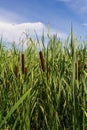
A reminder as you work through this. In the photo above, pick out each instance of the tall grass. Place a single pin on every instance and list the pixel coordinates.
(44, 90)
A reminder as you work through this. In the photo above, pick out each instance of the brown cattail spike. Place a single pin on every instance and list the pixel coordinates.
(23, 63)
(76, 70)
(25, 72)
(42, 61)
(16, 71)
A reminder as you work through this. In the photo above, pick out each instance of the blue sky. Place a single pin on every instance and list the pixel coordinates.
(38, 13)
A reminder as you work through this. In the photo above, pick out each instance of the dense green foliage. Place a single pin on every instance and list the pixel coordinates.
(53, 99)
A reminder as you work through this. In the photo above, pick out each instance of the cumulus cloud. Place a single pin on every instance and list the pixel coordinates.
(13, 32)
(13, 28)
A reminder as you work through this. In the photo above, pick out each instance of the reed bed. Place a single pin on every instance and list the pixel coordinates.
(45, 90)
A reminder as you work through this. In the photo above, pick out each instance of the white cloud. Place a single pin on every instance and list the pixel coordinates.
(12, 27)
(13, 32)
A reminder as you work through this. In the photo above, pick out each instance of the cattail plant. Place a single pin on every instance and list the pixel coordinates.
(42, 61)
(16, 71)
(23, 69)
(76, 70)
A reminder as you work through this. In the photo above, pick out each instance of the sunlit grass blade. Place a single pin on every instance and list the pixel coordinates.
(15, 107)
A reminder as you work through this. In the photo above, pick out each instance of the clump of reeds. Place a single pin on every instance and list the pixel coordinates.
(85, 67)
(48, 73)
(42, 61)
(16, 71)
(4, 74)
(23, 69)
(76, 70)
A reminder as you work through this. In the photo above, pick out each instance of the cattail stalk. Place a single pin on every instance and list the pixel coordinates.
(42, 61)
(23, 69)
(16, 71)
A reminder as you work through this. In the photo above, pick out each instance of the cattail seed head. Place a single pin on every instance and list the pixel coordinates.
(42, 61)
(23, 63)
(25, 72)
